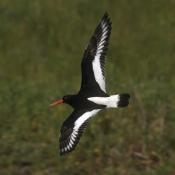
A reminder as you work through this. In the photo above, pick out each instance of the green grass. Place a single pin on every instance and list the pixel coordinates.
(41, 45)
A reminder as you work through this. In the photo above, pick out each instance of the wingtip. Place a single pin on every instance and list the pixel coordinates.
(106, 18)
(63, 153)
(106, 15)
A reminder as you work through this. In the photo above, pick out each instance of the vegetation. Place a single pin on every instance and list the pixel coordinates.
(41, 46)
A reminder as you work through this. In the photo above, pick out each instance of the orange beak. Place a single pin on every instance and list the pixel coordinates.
(57, 102)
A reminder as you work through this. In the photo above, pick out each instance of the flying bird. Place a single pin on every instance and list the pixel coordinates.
(92, 96)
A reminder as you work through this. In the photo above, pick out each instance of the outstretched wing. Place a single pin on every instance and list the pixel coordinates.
(93, 63)
(73, 128)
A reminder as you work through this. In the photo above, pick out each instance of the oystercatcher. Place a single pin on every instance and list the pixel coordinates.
(92, 96)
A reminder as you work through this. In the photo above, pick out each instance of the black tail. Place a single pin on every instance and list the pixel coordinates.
(124, 100)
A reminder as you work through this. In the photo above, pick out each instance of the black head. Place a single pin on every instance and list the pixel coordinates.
(67, 98)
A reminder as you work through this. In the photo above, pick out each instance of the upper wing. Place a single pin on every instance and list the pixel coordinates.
(93, 62)
(72, 129)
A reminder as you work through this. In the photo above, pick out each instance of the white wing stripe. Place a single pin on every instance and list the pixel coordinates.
(98, 72)
(74, 134)
(101, 44)
(105, 33)
(71, 141)
(100, 79)
(100, 48)
(83, 118)
(77, 125)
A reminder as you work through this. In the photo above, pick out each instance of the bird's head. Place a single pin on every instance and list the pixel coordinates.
(66, 99)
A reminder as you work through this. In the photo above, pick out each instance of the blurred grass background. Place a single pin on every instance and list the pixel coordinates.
(41, 47)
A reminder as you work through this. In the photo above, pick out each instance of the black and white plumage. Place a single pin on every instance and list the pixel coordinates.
(92, 96)
(94, 56)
